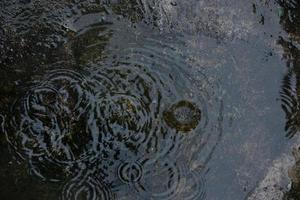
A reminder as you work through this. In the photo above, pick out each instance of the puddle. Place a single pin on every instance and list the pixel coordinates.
(146, 99)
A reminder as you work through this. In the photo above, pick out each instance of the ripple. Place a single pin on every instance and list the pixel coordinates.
(86, 187)
(50, 127)
(115, 117)
(128, 112)
(290, 103)
(192, 99)
(155, 77)
(2, 122)
(130, 172)
(192, 184)
(160, 181)
(166, 179)
(191, 187)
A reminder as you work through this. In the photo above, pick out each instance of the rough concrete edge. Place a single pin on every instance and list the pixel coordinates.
(277, 180)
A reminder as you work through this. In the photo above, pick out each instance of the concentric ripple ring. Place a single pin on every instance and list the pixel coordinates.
(50, 127)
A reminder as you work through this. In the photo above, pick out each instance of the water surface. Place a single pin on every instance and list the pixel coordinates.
(145, 99)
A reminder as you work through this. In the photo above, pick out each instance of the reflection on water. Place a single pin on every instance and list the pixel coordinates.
(290, 103)
(104, 99)
(89, 43)
(290, 85)
(290, 18)
(120, 116)
(86, 185)
(49, 127)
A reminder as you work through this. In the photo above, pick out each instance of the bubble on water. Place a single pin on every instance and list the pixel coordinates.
(183, 116)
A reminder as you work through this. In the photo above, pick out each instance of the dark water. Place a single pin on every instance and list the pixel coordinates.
(128, 99)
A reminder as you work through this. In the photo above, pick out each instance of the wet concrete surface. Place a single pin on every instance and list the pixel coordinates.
(85, 85)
